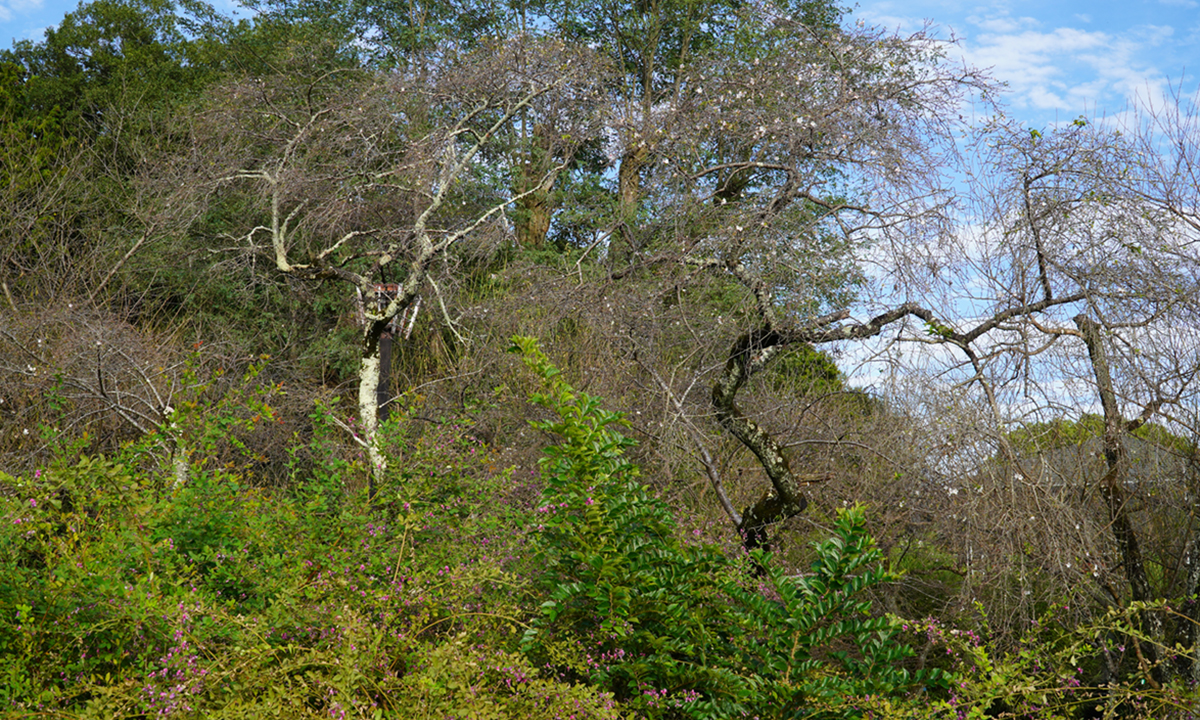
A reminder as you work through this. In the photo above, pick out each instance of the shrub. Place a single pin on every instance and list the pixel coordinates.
(134, 596)
(677, 629)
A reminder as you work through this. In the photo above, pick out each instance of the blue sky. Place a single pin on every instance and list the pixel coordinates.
(1060, 58)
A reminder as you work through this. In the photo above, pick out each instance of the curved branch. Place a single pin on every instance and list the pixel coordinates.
(750, 353)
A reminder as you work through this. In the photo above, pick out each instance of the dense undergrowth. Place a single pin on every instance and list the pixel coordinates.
(467, 590)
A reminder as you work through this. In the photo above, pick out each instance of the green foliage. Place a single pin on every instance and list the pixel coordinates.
(106, 56)
(38, 138)
(617, 575)
(131, 596)
(818, 643)
(455, 678)
(673, 628)
(1057, 671)
(213, 419)
(1062, 432)
(84, 577)
(1056, 433)
(937, 329)
(805, 370)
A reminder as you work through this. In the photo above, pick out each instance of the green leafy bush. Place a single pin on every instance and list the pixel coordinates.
(1060, 670)
(134, 595)
(458, 594)
(678, 629)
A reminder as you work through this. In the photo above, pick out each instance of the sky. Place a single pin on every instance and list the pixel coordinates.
(1060, 58)
(1064, 58)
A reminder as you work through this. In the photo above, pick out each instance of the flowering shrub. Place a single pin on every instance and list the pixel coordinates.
(130, 597)
(1061, 671)
(465, 590)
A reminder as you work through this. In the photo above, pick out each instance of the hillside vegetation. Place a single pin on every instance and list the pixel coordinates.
(668, 360)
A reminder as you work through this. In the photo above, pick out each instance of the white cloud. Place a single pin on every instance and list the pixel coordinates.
(1072, 71)
(1003, 24)
(1060, 62)
(11, 10)
(1032, 63)
(19, 7)
(895, 22)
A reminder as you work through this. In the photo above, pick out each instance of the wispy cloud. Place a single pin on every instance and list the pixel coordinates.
(20, 7)
(1072, 70)
(1002, 23)
(1058, 65)
(11, 10)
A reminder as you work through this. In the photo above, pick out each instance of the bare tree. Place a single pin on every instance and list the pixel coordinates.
(769, 173)
(71, 372)
(794, 170)
(1072, 288)
(368, 178)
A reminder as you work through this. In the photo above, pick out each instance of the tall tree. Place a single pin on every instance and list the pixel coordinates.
(774, 168)
(91, 102)
(1080, 259)
(367, 177)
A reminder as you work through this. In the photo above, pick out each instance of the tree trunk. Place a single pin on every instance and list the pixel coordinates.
(533, 216)
(752, 350)
(535, 173)
(629, 185)
(1189, 633)
(1112, 488)
(180, 467)
(750, 353)
(368, 402)
(383, 391)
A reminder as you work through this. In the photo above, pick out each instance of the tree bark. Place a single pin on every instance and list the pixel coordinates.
(786, 500)
(629, 185)
(535, 188)
(1190, 631)
(534, 213)
(1112, 486)
(368, 402)
(751, 352)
